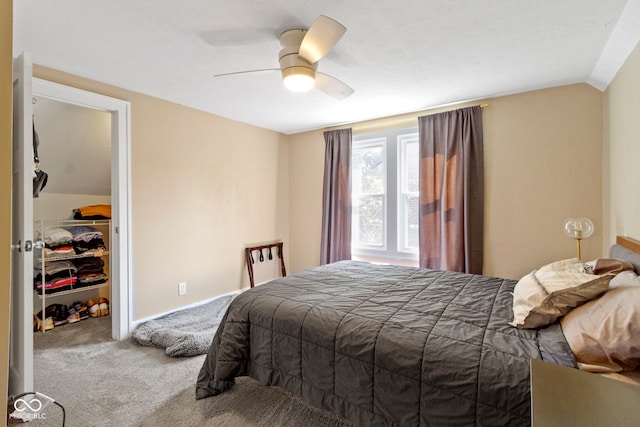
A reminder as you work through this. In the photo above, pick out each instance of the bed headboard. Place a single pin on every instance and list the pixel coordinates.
(628, 249)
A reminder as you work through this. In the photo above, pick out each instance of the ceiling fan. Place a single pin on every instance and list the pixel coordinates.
(301, 51)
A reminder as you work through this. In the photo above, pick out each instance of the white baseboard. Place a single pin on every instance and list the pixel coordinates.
(195, 304)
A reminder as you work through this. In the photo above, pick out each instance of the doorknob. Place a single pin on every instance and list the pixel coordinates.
(17, 246)
(28, 245)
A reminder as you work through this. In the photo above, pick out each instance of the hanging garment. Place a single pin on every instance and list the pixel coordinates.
(40, 177)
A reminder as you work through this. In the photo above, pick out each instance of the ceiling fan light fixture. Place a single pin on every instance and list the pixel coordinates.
(298, 79)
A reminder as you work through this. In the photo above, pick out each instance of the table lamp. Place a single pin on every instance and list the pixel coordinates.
(578, 228)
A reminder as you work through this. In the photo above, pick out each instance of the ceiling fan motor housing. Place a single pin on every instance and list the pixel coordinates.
(290, 60)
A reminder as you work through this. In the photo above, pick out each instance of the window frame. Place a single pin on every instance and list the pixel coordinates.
(393, 247)
(369, 143)
(402, 224)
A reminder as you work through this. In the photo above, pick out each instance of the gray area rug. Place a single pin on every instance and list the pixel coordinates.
(186, 332)
(106, 383)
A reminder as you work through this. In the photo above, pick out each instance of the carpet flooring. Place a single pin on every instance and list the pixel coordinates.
(101, 382)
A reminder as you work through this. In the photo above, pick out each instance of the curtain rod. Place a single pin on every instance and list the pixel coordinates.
(406, 120)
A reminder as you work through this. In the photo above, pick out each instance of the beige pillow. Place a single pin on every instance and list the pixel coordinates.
(571, 264)
(604, 333)
(608, 266)
(544, 295)
(626, 278)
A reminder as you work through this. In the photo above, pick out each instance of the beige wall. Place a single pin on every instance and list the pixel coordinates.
(542, 165)
(203, 187)
(6, 36)
(306, 152)
(622, 152)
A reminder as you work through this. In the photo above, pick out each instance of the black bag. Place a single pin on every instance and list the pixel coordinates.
(40, 177)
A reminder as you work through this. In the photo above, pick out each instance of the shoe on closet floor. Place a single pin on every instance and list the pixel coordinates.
(60, 314)
(47, 323)
(73, 314)
(40, 325)
(104, 306)
(84, 313)
(93, 307)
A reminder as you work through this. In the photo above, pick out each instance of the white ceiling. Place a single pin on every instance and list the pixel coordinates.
(399, 56)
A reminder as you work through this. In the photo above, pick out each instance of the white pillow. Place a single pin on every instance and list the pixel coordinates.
(546, 294)
(624, 278)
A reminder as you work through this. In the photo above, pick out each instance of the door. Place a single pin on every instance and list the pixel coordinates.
(21, 344)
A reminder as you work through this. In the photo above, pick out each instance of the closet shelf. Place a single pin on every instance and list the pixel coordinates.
(73, 291)
(72, 222)
(66, 257)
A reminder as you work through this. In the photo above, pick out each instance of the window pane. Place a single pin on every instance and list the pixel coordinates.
(408, 202)
(368, 170)
(412, 208)
(370, 220)
(411, 163)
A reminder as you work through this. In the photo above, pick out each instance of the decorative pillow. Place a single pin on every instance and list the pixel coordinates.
(571, 264)
(608, 266)
(544, 295)
(603, 334)
(626, 278)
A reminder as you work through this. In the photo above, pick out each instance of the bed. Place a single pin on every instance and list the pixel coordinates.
(387, 345)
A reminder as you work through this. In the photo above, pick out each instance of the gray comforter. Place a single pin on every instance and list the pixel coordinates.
(385, 345)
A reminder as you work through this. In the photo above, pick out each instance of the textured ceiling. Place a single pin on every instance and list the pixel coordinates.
(399, 56)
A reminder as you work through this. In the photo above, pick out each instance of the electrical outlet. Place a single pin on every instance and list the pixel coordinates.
(182, 288)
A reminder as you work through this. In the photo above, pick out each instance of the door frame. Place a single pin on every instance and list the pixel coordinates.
(121, 270)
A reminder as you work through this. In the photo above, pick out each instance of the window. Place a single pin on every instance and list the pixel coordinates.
(385, 195)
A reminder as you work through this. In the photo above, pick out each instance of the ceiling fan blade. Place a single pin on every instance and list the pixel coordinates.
(246, 72)
(332, 86)
(321, 37)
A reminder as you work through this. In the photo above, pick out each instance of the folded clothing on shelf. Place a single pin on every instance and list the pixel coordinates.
(84, 233)
(91, 279)
(89, 265)
(55, 267)
(81, 246)
(56, 285)
(101, 211)
(59, 276)
(56, 236)
(58, 251)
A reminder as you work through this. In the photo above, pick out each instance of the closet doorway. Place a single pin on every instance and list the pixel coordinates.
(85, 146)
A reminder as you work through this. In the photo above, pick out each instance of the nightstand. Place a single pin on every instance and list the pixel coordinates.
(567, 397)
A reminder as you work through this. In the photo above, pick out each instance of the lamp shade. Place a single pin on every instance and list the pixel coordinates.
(578, 228)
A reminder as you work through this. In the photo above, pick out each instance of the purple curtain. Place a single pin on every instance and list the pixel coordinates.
(452, 190)
(336, 197)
